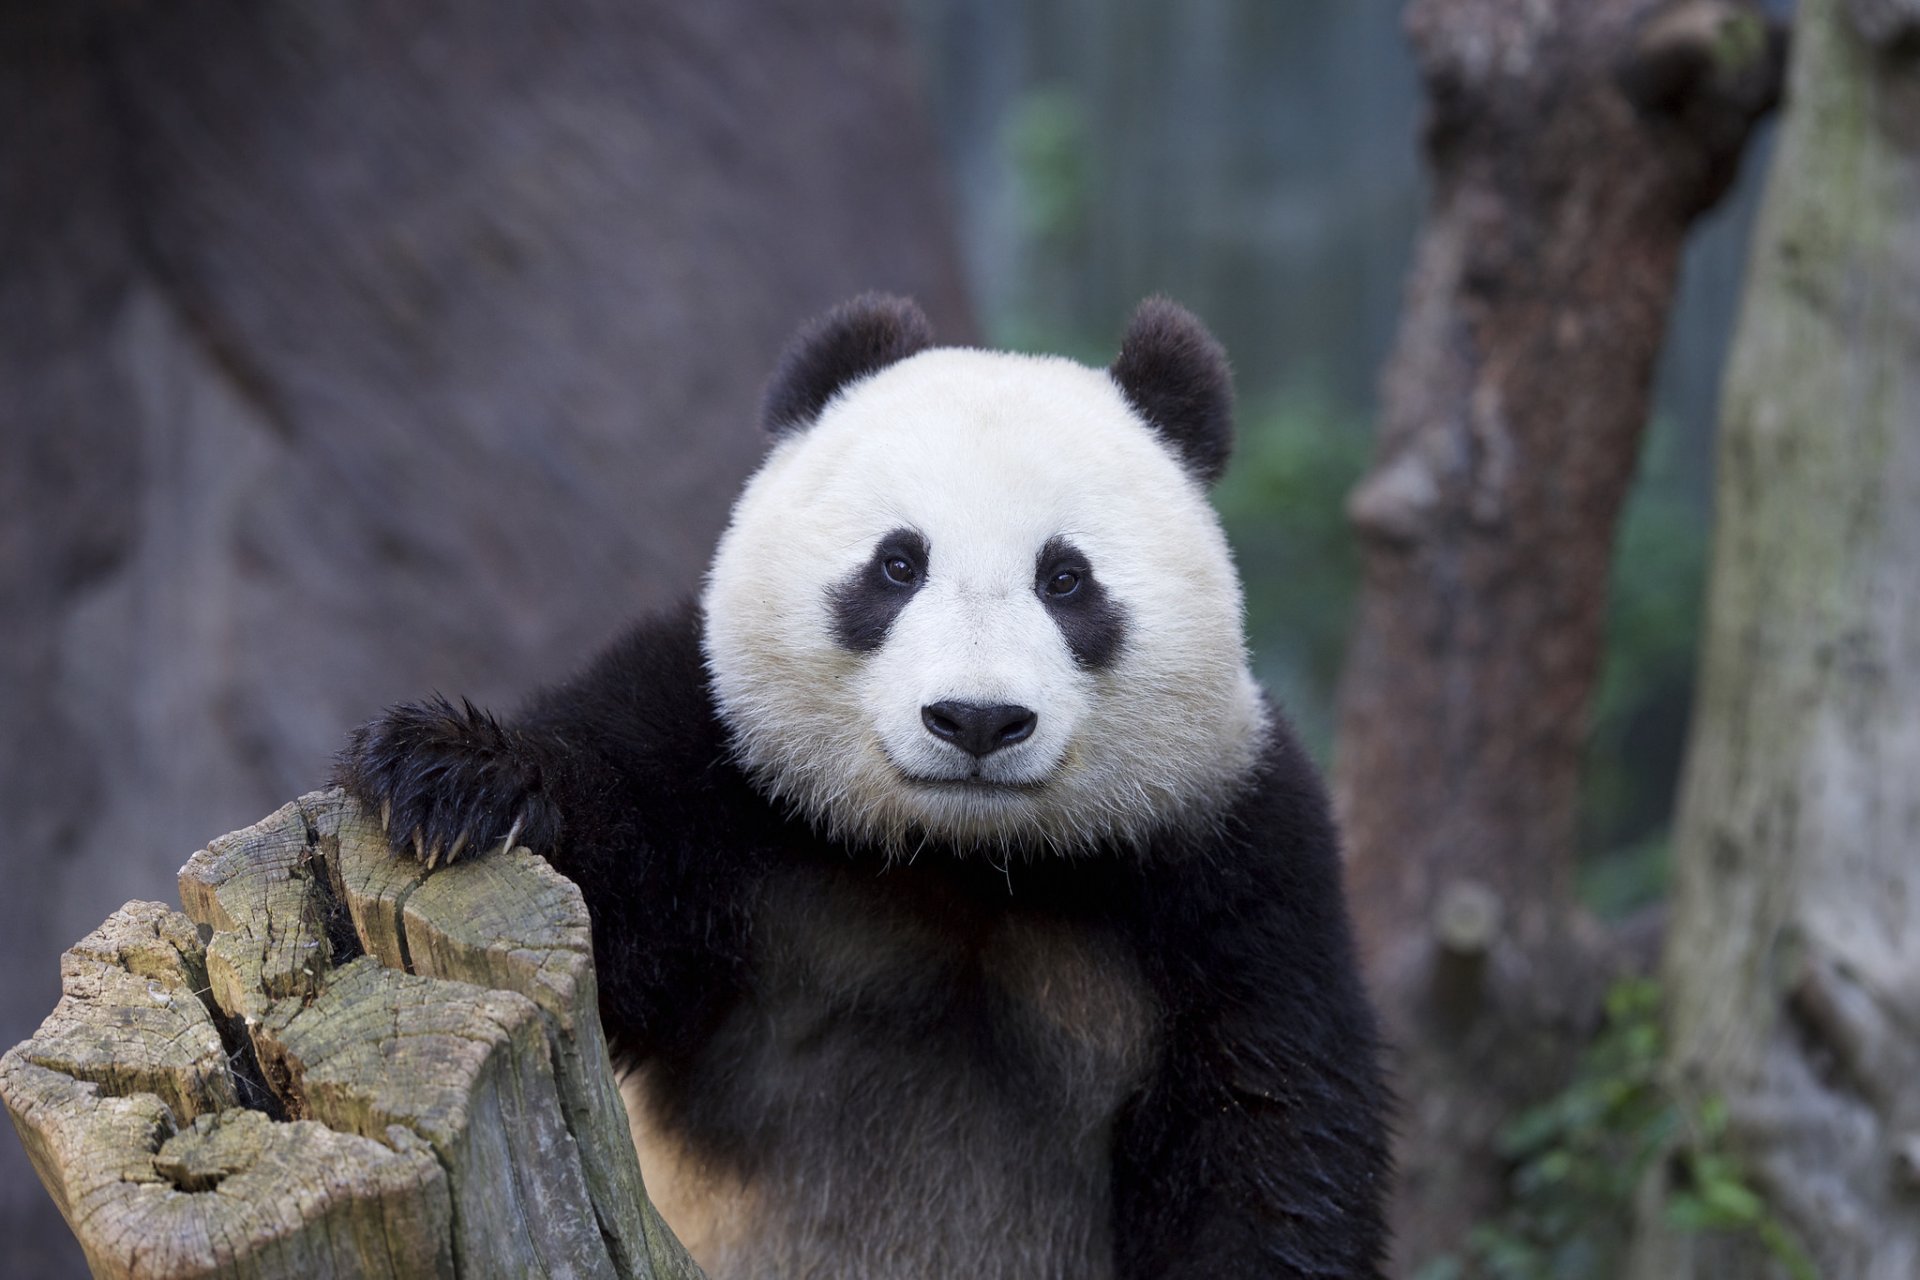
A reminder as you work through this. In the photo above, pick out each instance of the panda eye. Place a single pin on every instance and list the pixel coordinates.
(1063, 583)
(900, 571)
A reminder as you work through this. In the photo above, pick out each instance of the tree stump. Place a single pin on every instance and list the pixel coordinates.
(334, 1065)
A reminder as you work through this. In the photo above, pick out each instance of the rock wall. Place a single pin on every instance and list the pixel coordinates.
(353, 351)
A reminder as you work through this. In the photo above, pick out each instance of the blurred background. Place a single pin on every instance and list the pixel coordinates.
(349, 352)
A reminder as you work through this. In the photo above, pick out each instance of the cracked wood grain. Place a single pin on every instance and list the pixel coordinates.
(260, 1087)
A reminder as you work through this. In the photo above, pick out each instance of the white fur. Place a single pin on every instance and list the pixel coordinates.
(988, 456)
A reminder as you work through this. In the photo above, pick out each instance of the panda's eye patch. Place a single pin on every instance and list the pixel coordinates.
(1091, 621)
(862, 606)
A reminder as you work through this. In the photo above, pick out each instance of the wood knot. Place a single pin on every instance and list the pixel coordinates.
(1692, 52)
(1394, 505)
(1466, 923)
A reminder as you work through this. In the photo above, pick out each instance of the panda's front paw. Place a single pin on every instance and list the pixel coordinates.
(446, 780)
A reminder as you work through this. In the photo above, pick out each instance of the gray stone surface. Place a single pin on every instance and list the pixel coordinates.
(353, 351)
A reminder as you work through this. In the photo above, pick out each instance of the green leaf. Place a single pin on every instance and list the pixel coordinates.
(1529, 1132)
(1688, 1212)
(1734, 1201)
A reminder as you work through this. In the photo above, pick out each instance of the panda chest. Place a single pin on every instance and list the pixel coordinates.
(916, 1082)
(850, 965)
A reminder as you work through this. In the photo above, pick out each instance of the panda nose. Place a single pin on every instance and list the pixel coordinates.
(979, 730)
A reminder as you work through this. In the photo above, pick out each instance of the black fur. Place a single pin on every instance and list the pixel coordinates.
(449, 781)
(1245, 1137)
(865, 604)
(1093, 622)
(1175, 375)
(853, 341)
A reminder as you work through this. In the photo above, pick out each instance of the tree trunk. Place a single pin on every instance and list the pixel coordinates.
(1572, 145)
(1793, 960)
(345, 1069)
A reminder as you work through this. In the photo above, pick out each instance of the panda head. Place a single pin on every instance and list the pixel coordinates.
(980, 599)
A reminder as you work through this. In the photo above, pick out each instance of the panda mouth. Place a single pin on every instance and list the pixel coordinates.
(971, 782)
(974, 783)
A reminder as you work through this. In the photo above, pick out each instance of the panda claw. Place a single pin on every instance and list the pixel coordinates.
(386, 817)
(513, 832)
(459, 843)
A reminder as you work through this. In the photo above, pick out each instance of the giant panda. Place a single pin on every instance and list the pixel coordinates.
(961, 906)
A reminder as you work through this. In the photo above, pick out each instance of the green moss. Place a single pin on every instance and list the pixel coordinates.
(1577, 1163)
(1740, 42)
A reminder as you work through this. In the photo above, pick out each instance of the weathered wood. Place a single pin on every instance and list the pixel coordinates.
(257, 891)
(508, 921)
(140, 970)
(333, 1065)
(128, 1109)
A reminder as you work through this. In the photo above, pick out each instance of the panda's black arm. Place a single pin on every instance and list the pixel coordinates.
(1259, 1146)
(618, 778)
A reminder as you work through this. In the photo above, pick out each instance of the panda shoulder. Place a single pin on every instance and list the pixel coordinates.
(645, 693)
(1279, 823)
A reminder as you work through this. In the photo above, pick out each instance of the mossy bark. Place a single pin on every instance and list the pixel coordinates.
(1795, 937)
(333, 1065)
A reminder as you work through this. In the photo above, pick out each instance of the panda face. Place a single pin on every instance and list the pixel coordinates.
(979, 600)
(980, 597)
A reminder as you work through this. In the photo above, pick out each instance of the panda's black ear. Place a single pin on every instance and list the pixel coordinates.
(1175, 375)
(848, 343)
